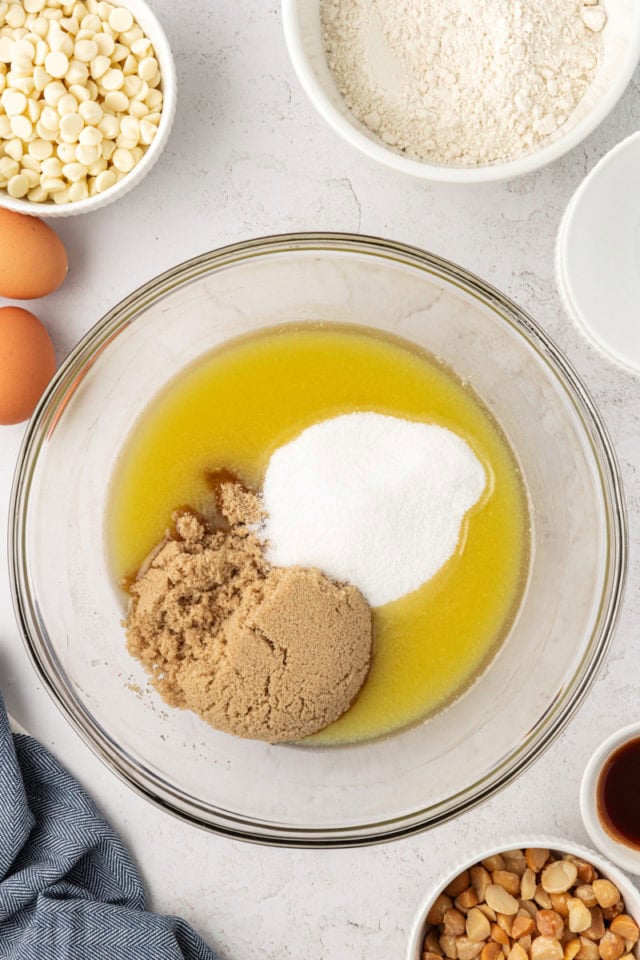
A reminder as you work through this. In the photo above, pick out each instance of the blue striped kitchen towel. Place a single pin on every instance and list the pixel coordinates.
(68, 887)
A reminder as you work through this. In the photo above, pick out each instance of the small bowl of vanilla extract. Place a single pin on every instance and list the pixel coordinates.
(610, 798)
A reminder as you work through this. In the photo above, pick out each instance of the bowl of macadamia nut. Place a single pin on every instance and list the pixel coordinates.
(87, 101)
(543, 899)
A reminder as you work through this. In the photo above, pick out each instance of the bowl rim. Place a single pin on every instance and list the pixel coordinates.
(169, 87)
(131, 771)
(608, 869)
(486, 173)
(564, 278)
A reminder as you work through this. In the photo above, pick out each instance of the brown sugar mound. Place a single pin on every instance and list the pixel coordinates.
(271, 654)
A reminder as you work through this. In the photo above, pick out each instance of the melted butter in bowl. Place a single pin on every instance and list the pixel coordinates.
(234, 407)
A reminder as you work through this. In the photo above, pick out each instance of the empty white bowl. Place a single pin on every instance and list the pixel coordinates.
(598, 255)
(630, 894)
(154, 31)
(625, 856)
(303, 34)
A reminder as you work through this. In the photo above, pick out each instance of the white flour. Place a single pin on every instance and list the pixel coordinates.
(373, 500)
(463, 81)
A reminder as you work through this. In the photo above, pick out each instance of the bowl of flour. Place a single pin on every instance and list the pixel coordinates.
(464, 91)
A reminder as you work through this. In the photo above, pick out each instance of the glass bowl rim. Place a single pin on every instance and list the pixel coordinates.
(226, 823)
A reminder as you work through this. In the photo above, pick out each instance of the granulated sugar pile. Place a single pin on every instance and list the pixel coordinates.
(463, 82)
(373, 500)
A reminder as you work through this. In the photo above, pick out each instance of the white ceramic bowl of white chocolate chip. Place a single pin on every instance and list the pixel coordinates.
(87, 101)
(541, 899)
(463, 95)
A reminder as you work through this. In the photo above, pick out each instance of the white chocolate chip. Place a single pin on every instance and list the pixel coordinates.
(67, 104)
(138, 110)
(14, 102)
(24, 48)
(130, 66)
(90, 137)
(91, 112)
(40, 78)
(66, 152)
(50, 118)
(109, 126)
(6, 49)
(117, 101)
(105, 180)
(15, 16)
(62, 43)
(78, 72)
(18, 186)
(91, 22)
(120, 20)
(98, 166)
(46, 133)
(141, 48)
(99, 66)
(40, 149)
(38, 195)
(153, 99)
(8, 167)
(120, 53)
(29, 163)
(74, 171)
(79, 97)
(88, 154)
(123, 160)
(13, 149)
(22, 127)
(56, 64)
(106, 44)
(129, 37)
(34, 109)
(70, 24)
(132, 85)
(113, 79)
(79, 92)
(70, 126)
(147, 68)
(32, 177)
(53, 93)
(85, 50)
(52, 167)
(130, 128)
(78, 191)
(40, 27)
(53, 184)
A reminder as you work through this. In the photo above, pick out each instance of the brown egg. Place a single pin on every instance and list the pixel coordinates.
(27, 363)
(33, 260)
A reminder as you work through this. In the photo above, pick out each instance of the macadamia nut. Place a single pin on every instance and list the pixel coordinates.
(530, 905)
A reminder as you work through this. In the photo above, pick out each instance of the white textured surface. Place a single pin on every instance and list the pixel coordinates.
(249, 156)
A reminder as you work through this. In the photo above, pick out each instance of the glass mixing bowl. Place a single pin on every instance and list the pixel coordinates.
(69, 609)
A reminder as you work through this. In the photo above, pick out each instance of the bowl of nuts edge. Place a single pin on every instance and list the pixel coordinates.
(144, 18)
(538, 899)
